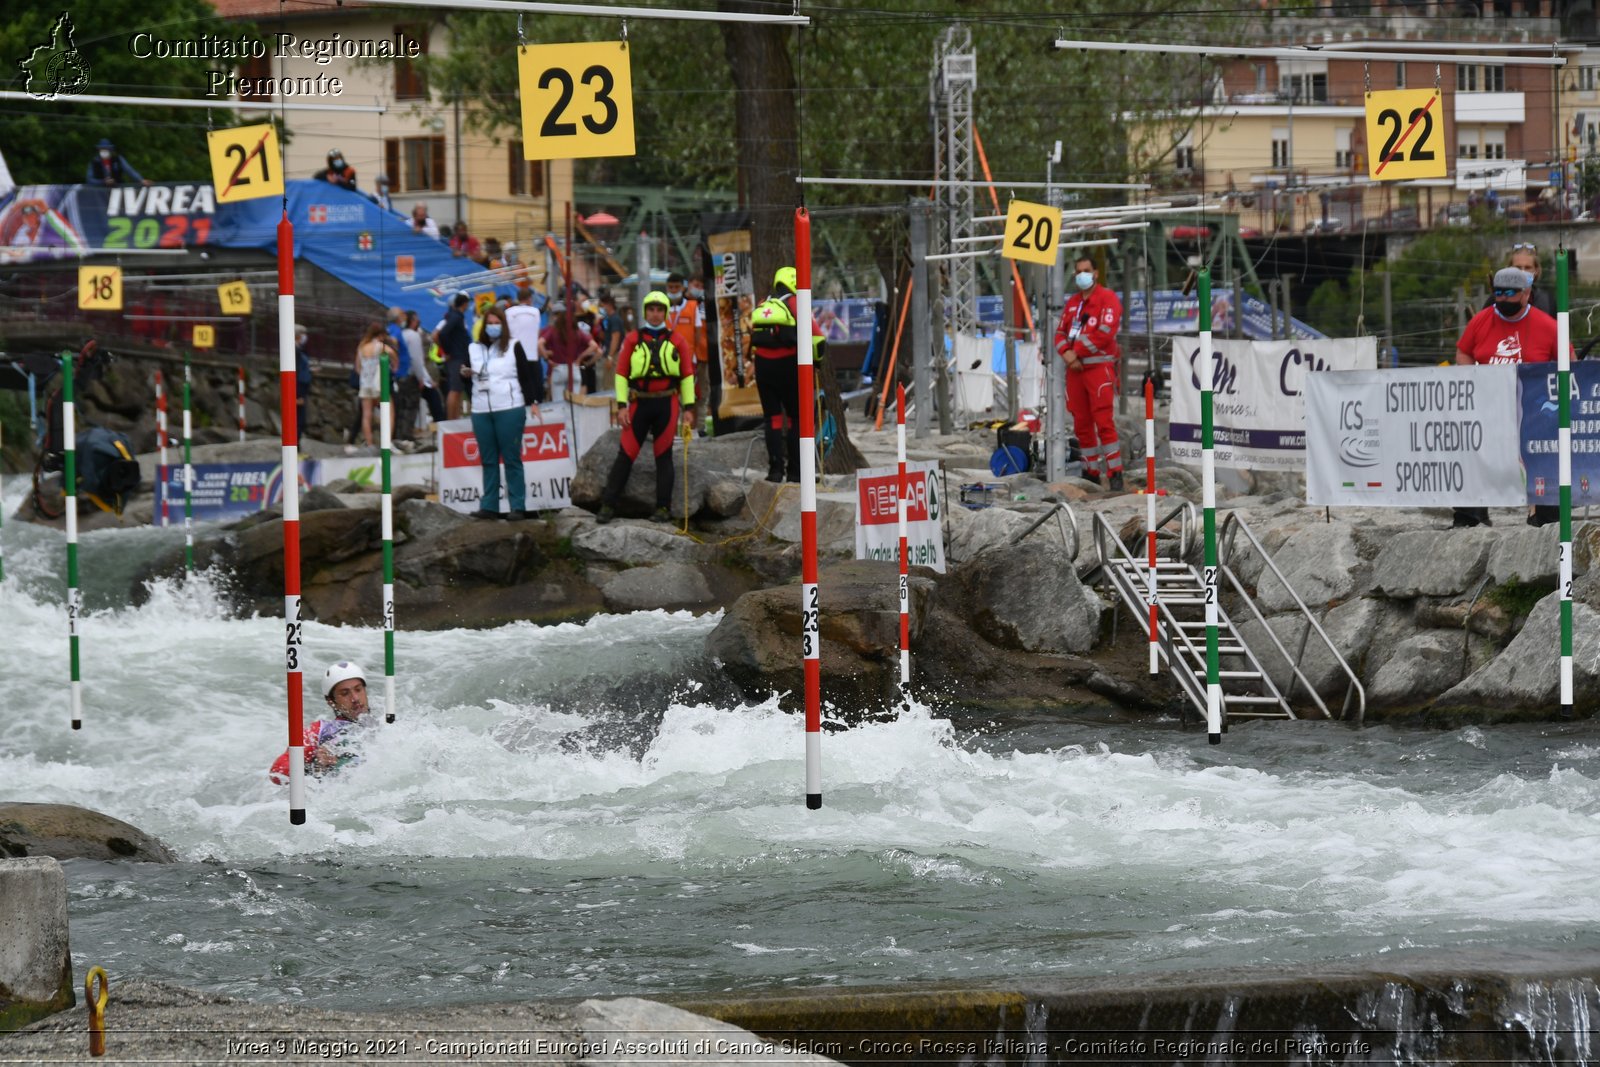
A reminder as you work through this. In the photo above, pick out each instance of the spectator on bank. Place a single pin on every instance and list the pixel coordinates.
(463, 245)
(453, 338)
(569, 352)
(523, 320)
(421, 372)
(612, 325)
(381, 194)
(1509, 331)
(406, 394)
(422, 223)
(337, 172)
(302, 381)
(499, 413)
(371, 354)
(110, 167)
(1525, 257)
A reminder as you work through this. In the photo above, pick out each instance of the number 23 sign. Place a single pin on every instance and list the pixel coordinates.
(577, 100)
(1405, 134)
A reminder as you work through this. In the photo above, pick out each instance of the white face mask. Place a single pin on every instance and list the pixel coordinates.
(1084, 279)
(105, 153)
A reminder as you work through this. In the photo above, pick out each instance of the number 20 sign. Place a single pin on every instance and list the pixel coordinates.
(1031, 232)
(1405, 135)
(577, 100)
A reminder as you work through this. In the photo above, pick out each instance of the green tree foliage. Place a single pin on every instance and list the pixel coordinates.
(53, 141)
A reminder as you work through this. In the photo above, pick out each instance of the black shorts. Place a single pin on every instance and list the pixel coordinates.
(453, 381)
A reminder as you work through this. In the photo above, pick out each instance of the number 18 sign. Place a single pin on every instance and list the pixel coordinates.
(1405, 135)
(245, 164)
(577, 100)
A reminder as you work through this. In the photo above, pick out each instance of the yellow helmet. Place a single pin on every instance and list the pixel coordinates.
(656, 296)
(787, 278)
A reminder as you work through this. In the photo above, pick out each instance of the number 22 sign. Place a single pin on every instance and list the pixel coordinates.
(1405, 135)
(577, 100)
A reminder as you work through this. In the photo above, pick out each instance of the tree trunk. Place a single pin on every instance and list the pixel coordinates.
(768, 140)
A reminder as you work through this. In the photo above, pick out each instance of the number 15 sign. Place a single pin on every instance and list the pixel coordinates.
(577, 100)
(1405, 135)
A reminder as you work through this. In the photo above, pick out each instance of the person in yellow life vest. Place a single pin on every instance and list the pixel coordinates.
(686, 316)
(774, 334)
(655, 394)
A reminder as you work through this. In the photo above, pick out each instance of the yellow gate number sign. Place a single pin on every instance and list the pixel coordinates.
(205, 336)
(1031, 232)
(1405, 135)
(577, 100)
(100, 288)
(245, 163)
(235, 298)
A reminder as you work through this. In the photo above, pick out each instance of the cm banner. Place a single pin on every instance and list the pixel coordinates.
(548, 465)
(1537, 397)
(878, 515)
(1258, 396)
(1416, 437)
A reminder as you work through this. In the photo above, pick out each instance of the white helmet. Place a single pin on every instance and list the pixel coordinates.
(342, 671)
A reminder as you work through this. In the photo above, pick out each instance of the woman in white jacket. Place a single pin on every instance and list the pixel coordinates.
(499, 414)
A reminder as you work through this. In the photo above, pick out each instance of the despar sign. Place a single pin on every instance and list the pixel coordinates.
(1419, 437)
(1537, 400)
(548, 467)
(1258, 397)
(878, 515)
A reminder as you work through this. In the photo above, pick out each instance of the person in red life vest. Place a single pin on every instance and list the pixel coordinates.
(1087, 340)
(1510, 330)
(774, 335)
(327, 741)
(687, 317)
(655, 395)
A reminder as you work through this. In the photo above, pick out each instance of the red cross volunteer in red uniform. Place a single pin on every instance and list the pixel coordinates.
(1510, 330)
(1087, 340)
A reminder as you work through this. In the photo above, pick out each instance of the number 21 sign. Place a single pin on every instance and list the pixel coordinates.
(577, 100)
(1405, 135)
(245, 164)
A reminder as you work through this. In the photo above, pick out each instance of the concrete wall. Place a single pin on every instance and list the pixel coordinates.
(35, 963)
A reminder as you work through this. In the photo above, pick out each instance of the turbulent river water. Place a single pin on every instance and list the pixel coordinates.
(552, 817)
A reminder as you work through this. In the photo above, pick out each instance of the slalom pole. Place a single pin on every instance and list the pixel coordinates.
(1150, 516)
(385, 443)
(1564, 461)
(161, 442)
(810, 631)
(188, 474)
(1208, 483)
(905, 581)
(241, 403)
(69, 487)
(291, 523)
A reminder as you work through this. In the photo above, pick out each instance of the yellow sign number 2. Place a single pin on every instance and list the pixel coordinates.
(100, 288)
(577, 100)
(1405, 135)
(1031, 232)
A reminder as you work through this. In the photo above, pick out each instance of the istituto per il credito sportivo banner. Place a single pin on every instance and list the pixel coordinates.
(1258, 396)
(1416, 437)
(549, 464)
(878, 514)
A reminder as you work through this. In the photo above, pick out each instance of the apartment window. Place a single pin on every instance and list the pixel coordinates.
(525, 177)
(1306, 88)
(408, 81)
(1399, 75)
(1343, 157)
(1183, 157)
(254, 68)
(1280, 148)
(1588, 79)
(1494, 79)
(1466, 78)
(1467, 144)
(1261, 77)
(414, 163)
(1472, 78)
(1494, 144)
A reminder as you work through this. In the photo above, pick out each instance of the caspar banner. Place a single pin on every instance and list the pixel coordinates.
(1415, 437)
(548, 464)
(1537, 397)
(1258, 396)
(878, 515)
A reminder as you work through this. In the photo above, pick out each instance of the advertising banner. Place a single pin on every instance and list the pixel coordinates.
(1258, 397)
(1177, 313)
(226, 492)
(1415, 437)
(878, 515)
(1537, 398)
(367, 471)
(548, 464)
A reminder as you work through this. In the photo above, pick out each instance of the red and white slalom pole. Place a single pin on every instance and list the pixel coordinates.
(291, 523)
(241, 403)
(161, 442)
(1150, 516)
(905, 580)
(810, 612)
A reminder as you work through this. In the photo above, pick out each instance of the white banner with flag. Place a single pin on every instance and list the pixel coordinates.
(878, 514)
(549, 464)
(1415, 437)
(1258, 397)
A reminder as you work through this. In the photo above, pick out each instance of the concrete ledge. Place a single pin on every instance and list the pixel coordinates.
(35, 963)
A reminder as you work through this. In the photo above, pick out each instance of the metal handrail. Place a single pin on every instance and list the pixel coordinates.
(1070, 544)
(1231, 526)
(1184, 511)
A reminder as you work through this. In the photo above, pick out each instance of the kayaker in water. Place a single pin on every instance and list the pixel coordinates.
(344, 686)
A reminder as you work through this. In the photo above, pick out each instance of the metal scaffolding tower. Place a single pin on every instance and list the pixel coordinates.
(955, 77)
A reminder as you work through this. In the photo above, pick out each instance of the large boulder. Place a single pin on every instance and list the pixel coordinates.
(674, 586)
(775, 509)
(64, 832)
(1433, 562)
(1523, 681)
(1322, 563)
(1526, 554)
(974, 533)
(1028, 597)
(632, 543)
(35, 960)
(710, 461)
(1423, 666)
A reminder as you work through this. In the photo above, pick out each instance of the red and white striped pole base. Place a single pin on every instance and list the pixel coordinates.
(810, 613)
(293, 651)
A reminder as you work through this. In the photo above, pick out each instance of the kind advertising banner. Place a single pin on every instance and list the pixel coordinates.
(878, 515)
(367, 471)
(1416, 437)
(226, 492)
(1258, 397)
(1537, 399)
(548, 466)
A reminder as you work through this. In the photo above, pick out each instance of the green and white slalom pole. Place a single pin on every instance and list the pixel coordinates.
(69, 488)
(1208, 483)
(188, 473)
(1564, 470)
(386, 444)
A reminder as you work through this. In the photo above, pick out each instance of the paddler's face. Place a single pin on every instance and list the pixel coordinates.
(349, 699)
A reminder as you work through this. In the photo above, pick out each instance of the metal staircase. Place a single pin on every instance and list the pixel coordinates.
(1248, 689)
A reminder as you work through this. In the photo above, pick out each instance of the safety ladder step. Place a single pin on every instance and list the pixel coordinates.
(1231, 698)
(1225, 650)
